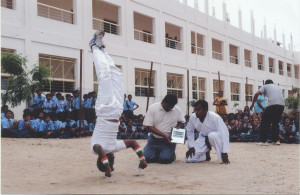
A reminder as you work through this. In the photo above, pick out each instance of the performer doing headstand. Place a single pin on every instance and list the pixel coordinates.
(109, 107)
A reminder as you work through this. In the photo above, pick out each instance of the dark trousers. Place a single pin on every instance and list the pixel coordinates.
(270, 118)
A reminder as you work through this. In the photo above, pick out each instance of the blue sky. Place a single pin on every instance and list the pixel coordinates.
(285, 14)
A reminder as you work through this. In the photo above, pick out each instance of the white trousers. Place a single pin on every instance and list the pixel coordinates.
(109, 104)
(201, 148)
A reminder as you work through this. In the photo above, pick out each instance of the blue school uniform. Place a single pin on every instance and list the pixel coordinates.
(25, 131)
(2, 115)
(76, 102)
(37, 99)
(67, 125)
(51, 104)
(6, 123)
(68, 108)
(54, 99)
(83, 123)
(37, 123)
(92, 126)
(57, 124)
(61, 104)
(46, 126)
(86, 103)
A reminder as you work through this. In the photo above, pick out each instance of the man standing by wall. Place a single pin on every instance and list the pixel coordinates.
(160, 119)
(272, 113)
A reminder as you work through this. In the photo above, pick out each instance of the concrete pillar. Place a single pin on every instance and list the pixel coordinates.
(224, 12)
(206, 7)
(275, 34)
(265, 29)
(292, 46)
(240, 19)
(252, 24)
(283, 39)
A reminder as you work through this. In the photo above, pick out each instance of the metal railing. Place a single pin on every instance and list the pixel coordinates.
(7, 4)
(200, 50)
(247, 63)
(217, 55)
(106, 26)
(172, 43)
(143, 36)
(234, 60)
(271, 69)
(55, 13)
(281, 72)
(260, 66)
(289, 74)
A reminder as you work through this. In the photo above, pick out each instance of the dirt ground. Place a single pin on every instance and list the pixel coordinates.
(55, 166)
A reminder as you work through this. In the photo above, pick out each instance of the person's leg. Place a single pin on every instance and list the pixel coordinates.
(198, 157)
(265, 124)
(150, 151)
(167, 153)
(215, 141)
(97, 148)
(138, 150)
(275, 118)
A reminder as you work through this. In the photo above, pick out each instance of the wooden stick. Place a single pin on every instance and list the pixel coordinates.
(149, 83)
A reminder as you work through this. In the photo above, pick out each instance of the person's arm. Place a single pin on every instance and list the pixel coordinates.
(225, 140)
(255, 98)
(136, 106)
(155, 131)
(215, 102)
(179, 125)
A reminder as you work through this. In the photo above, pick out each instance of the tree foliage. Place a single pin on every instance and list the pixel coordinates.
(20, 87)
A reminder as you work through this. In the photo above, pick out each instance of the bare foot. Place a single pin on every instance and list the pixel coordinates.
(108, 171)
(143, 164)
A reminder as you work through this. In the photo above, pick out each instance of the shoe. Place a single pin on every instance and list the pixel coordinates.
(276, 143)
(97, 39)
(262, 143)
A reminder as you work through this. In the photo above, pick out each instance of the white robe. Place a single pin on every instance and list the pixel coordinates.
(213, 127)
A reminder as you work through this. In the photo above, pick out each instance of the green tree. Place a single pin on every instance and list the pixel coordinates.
(20, 87)
(293, 101)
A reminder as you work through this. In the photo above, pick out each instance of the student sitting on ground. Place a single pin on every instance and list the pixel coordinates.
(49, 106)
(130, 130)
(233, 130)
(253, 136)
(84, 131)
(246, 125)
(38, 120)
(288, 132)
(86, 105)
(92, 126)
(69, 128)
(4, 108)
(26, 126)
(57, 125)
(140, 132)
(46, 128)
(60, 109)
(9, 126)
(122, 129)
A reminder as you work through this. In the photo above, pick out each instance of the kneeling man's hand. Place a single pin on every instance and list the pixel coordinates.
(225, 158)
(190, 152)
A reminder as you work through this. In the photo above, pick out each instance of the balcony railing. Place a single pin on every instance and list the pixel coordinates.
(247, 63)
(143, 36)
(106, 26)
(200, 50)
(281, 72)
(289, 74)
(260, 66)
(7, 4)
(271, 69)
(234, 60)
(55, 13)
(217, 55)
(172, 43)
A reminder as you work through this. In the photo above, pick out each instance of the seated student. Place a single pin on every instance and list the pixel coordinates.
(92, 126)
(76, 105)
(141, 132)
(135, 120)
(46, 128)
(38, 101)
(288, 132)
(4, 108)
(238, 118)
(69, 128)
(122, 129)
(49, 106)
(233, 130)
(60, 108)
(130, 130)
(253, 135)
(26, 126)
(9, 126)
(86, 104)
(84, 128)
(246, 125)
(38, 120)
(68, 105)
(57, 125)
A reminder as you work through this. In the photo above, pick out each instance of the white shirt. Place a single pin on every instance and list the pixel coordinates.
(162, 120)
(212, 123)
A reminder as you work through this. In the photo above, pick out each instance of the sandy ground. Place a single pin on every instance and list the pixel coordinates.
(54, 166)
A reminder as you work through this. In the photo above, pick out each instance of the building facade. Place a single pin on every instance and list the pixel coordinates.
(188, 49)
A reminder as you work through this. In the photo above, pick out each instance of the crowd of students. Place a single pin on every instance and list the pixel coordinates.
(59, 117)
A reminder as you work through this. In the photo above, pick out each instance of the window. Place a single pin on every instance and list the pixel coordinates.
(198, 93)
(197, 46)
(248, 92)
(142, 79)
(260, 62)
(233, 52)
(280, 65)
(271, 65)
(4, 75)
(172, 37)
(290, 93)
(217, 49)
(247, 55)
(7, 4)
(62, 78)
(56, 10)
(296, 71)
(235, 91)
(283, 93)
(95, 78)
(217, 87)
(289, 70)
(143, 28)
(175, 84)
